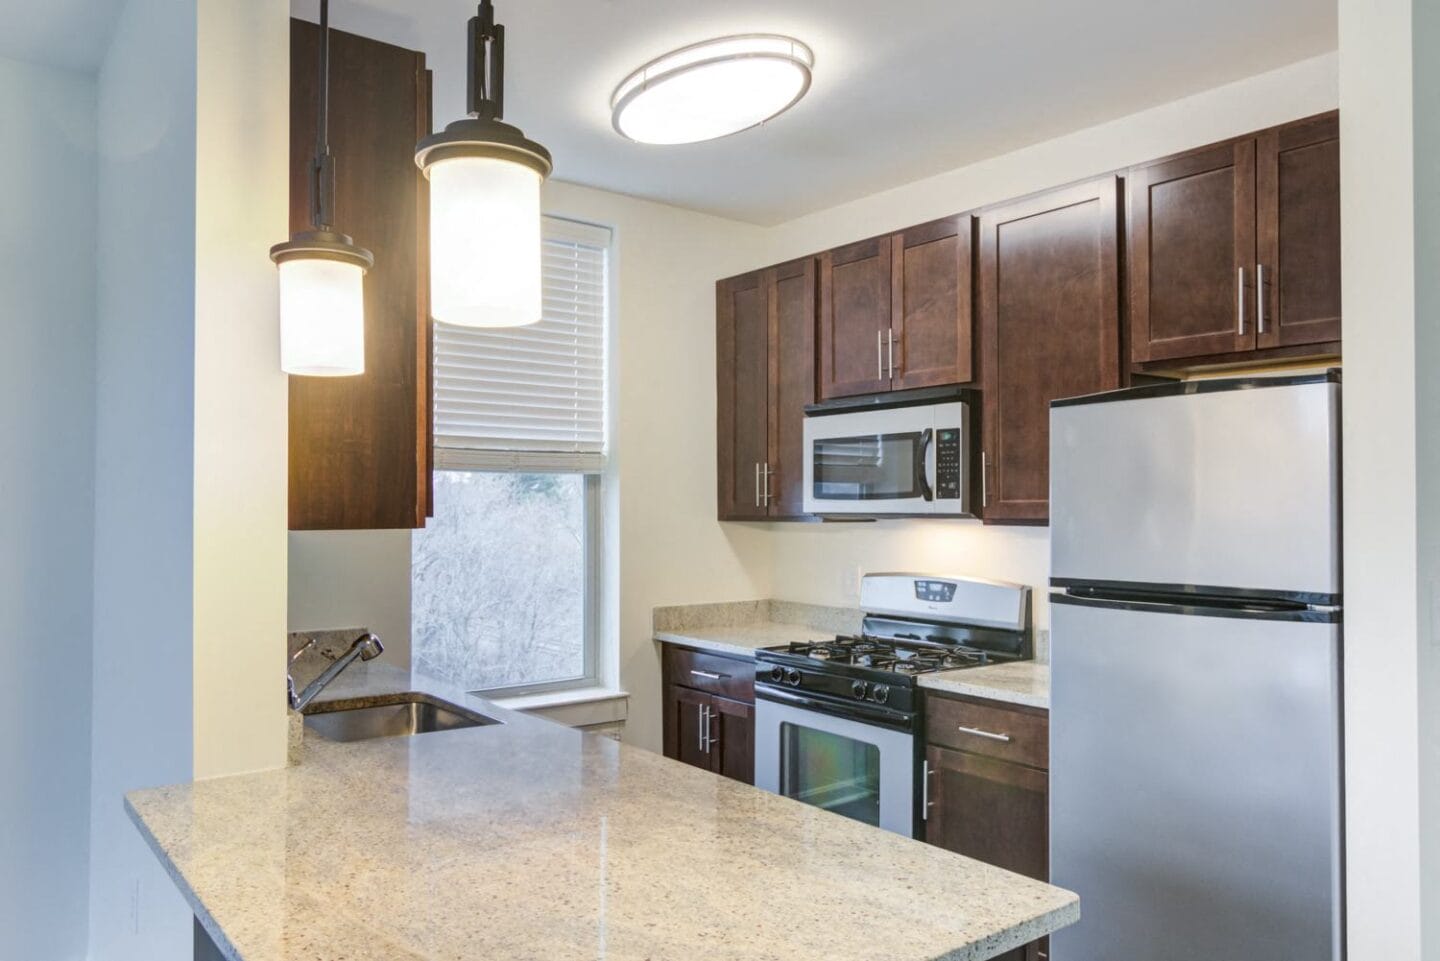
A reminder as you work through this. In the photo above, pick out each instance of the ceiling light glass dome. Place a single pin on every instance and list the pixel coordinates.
(712, 89)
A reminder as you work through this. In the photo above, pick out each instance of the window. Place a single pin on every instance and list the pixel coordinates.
(505, 575)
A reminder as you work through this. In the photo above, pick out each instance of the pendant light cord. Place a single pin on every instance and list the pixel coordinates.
(322, 186)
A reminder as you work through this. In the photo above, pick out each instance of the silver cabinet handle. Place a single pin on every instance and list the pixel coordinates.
(984, 480)
(708, 675)
(765, 473)
(1259, 298)
(757, 483)
(706, 716)
(979, 733)
(1240, 304)
(879, 355)
(925, 802)
(700, 727)
(891, 351)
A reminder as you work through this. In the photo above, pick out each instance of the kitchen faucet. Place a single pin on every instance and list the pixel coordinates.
(366, 647)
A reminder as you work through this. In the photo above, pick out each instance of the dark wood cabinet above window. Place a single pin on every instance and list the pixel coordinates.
(1235, 250)
(895, 311)
(360, 446)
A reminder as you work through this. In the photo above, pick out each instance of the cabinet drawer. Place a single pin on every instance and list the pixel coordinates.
(1020, 735)
(727, 676)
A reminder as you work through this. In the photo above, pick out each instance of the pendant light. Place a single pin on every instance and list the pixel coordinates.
(322, 302)
(485, 178)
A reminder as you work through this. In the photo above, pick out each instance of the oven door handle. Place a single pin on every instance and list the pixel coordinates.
(851, 710)
(922, 464)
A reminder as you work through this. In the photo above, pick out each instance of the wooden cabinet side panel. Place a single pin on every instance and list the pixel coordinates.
(359, 446)
(1050, 322)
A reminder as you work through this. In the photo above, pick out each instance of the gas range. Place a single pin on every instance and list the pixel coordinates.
(838, 719)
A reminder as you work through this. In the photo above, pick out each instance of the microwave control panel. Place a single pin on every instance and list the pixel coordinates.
(947, 463)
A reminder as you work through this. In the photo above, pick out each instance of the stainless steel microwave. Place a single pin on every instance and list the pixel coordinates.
(906, 453)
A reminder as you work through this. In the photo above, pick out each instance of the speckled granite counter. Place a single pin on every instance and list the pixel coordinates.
(1019, 682)
(528, 840)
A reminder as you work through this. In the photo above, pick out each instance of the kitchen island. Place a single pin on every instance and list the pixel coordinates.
(528, 840)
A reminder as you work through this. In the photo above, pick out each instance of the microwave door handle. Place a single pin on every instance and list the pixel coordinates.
(922, 464)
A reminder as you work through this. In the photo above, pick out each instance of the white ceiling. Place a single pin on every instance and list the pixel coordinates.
(62, 33)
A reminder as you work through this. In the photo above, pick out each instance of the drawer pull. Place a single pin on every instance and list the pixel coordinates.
(979, 733)
(712, 676)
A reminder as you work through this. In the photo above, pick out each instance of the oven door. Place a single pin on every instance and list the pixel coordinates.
(862, 770)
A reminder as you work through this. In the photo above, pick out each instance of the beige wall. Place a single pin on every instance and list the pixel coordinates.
(241, 208)
(819, 562)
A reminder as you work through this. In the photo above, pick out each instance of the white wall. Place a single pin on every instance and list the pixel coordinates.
(818, 563)
(1389, 599)
(353, 579)
(47, 313)
(241, 395)
(144, 486)
(1425, 52)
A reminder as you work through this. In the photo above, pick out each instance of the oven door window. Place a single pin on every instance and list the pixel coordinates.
(873, 467)
(827, 770)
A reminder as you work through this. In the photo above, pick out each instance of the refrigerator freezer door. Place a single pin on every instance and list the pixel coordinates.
(1195, 785)
(1237, 489)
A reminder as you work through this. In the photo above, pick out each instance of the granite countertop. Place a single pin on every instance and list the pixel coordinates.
(1018, 682)
(529, 840)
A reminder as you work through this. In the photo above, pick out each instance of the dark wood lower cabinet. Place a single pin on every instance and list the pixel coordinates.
(986, 807)
(703, 728)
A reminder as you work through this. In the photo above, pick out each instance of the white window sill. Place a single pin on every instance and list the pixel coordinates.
(576, 707)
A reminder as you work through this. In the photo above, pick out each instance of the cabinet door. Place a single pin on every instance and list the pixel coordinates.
(685, 725)
(742, 375)
(855, 318)
(1298, 208)
(792, 382)
(994, 811)
(732, 739)
(1192, 254)
(930, 285)
(1050, 325)
(360, 451)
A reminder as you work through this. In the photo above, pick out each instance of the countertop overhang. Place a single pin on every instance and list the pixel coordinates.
(529, 840)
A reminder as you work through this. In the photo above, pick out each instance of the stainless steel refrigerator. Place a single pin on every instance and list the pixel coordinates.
(1195, 738)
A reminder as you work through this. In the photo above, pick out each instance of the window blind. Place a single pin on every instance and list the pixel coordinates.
(532, 397)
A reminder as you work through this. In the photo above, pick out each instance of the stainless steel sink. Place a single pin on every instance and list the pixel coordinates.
(399, 716)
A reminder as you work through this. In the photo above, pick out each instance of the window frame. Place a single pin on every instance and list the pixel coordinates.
(592, 467)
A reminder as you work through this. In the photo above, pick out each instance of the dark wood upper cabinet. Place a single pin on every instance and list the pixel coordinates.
(1050, 328)
(765, 375)
(895, 311)
(1234, 250)
(792, 382)
(360, 447)
(855, 305)
(932, 272)
(742, 310)
(1192, 254)
(1298, 225)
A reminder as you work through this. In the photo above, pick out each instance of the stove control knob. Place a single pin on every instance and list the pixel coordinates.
(879, 693)
(859, 689)
(792, 677)
(777, 673)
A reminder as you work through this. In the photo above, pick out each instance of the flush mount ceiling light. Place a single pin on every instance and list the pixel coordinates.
(712, 89)
(485, 181)
(322, 271)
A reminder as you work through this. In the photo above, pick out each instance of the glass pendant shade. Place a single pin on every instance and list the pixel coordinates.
(322, 317)
(484, 241)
